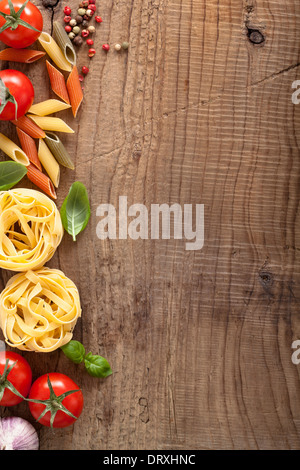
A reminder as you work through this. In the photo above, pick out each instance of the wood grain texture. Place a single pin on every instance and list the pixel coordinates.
(199, 341)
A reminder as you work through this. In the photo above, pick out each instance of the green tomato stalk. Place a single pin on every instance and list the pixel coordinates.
(13, 20)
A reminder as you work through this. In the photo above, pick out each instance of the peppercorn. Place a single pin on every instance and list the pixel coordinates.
(73, 22)
(86, 17)
(78, 41)
(91, 29)
(71, 35)
(85, 70)
(92, 7)
(91, 2)
(67, 19)
(84, 23)
(80, 78)
(105, 47)
(89, 42)
(118, 47)
(76, 30)
(81, 11)
(85, 33)
(125, 45)
(98, 19)
(68, 28)
(92, 52)
(78, 19)
(67, 10)
(85, 3)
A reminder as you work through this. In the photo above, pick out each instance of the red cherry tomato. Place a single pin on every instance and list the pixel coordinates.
(20, 377)
(22, 36)
(60, 383)
(21, 88)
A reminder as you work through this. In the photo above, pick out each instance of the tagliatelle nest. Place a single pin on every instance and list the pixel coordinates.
(39, 310)
(30, 229)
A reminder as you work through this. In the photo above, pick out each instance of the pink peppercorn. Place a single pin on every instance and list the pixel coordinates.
(85, 33)
(105, 47)
(68, 28)
(92, 52)
(92, 7)
(98, 19)
(67, 10)
(67, 19)
(89, 42)
(85, 70)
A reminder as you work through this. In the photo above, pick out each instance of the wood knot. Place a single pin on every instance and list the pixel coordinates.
(255, 36)
(266, 278)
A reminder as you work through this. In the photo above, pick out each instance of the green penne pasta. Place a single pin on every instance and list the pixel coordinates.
(64, 42)
(58, 150)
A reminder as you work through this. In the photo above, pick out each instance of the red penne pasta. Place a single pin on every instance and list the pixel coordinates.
(41, 180)
(29, 147)
(57, 82)
(74, 90)
(30, 127)
(26, 56)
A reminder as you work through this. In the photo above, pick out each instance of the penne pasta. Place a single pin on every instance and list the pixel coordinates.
(58, 150)
(13, 151)
(30, 127)
(57, 82)
(41, 180)
(64, 42)
(49, 163)
(54, 51)
(29, 147)
(48, 107)
(26, 56)
(48, 123)
(74, 90)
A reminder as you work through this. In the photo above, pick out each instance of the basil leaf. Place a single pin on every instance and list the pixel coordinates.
(74, 350)
(75, 210)
(97, 366)
(10, 174)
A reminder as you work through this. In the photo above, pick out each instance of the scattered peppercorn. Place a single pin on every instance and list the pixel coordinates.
(118, 47)
(76, 30)
(80, 78)
(78, 41)
(98, 19)
(91, 2)
(92, 52)
(105, 47)
(92, 7)
(67, 10)
(78, 19)
(84, 23)
(85, 33)
(71, 35)
(67, 19)
(85, 3)
(125, 45)
(81, 11)
(85, 70)
(68, 28)
(89, 42)
(73, 22)
(91, 29)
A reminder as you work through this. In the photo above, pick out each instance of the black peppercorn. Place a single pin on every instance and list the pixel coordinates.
(78, 19)
(77, 41)
(84, 23)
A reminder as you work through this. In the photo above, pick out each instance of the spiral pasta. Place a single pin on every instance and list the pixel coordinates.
(30, 229)
(39, 310)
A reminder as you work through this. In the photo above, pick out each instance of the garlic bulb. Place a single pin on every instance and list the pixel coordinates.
(17, 434)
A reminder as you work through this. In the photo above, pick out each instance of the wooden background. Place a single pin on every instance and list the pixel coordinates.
(199, 341)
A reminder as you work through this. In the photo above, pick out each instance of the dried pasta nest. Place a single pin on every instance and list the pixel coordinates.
(39, 310)
(30, 229)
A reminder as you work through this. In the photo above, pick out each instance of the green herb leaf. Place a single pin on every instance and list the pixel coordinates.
(75, 211)
(74, 351)
(97, 366)
(10, 174)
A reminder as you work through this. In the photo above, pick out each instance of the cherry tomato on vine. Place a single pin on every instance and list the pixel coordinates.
(55, 400)
(16, 94)
(15, 375)
(22, 26)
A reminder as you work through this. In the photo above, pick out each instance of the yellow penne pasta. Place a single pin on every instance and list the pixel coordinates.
(44, 108)
(51, 123)
(49, 163)
(54, 51)
(13, 151)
